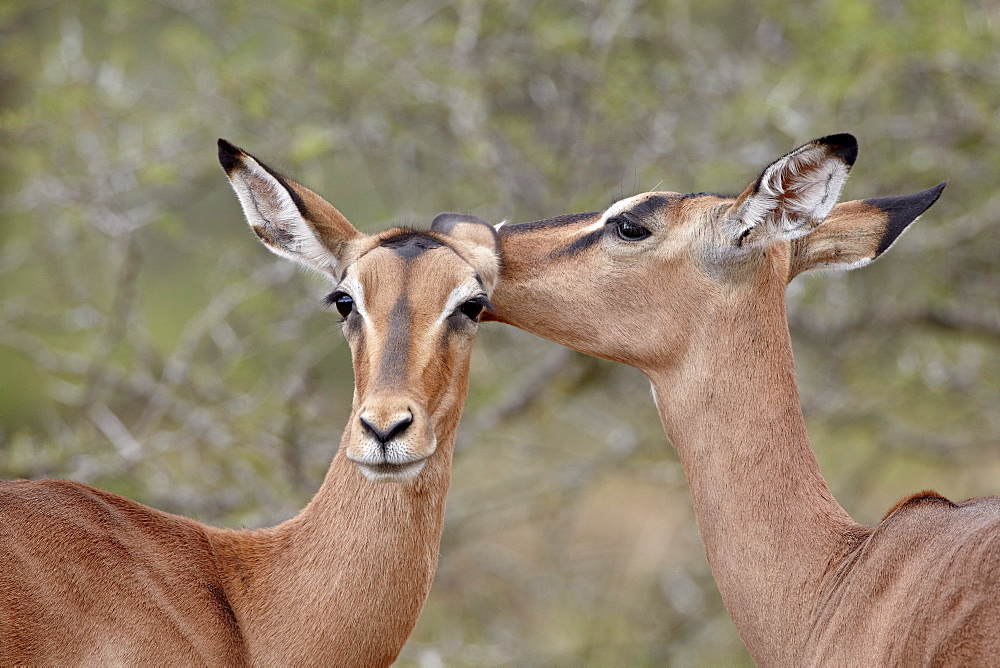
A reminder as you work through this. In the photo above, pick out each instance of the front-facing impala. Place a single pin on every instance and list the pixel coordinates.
(89, 577)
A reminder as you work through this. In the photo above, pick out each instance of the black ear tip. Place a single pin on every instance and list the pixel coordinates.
(844, 145)
(925, 198)
(229, 155)
(903, 210)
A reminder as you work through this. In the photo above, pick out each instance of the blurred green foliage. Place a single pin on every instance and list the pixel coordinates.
(149, 346)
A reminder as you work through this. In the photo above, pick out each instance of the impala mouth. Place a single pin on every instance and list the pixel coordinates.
(386, 472)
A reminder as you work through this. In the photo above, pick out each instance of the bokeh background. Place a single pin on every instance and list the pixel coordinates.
(150, 346)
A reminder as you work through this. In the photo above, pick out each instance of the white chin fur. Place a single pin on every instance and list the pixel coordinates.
(392, 472)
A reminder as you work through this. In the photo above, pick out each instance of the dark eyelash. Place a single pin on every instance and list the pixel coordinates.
(627, 216)
(483, 301)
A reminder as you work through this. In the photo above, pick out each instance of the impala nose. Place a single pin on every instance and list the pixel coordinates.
(392, 427)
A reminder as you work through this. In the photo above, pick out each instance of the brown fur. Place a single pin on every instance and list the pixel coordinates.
(89, 577)
(699, 307)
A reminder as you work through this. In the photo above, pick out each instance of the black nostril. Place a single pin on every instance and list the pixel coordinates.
(392, 432)
(398, 428)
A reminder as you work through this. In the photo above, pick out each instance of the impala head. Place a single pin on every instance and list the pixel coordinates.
(635, 282)
(410, 302)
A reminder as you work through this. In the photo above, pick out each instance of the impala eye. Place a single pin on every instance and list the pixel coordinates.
(473, 308)
(343, 302)
(630, 231)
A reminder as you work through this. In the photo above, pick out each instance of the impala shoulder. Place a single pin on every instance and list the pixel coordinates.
(92, 515)
(45, 496)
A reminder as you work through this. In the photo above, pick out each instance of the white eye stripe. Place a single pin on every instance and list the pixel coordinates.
(612, 211)
(463, 293)
(459, 296)
(352, 287)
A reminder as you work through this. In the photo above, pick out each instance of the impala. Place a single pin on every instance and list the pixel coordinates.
(690, 289)
(89, 577)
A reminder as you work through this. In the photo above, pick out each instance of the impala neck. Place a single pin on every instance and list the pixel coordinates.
(770, 526)
(343, 582)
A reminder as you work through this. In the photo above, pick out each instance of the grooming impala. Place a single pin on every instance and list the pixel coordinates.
(89, 577)
(690, 289)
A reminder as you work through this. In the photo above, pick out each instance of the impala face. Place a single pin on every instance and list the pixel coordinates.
(608, 283)
(640, 282)
(410, 309)
(410, 303)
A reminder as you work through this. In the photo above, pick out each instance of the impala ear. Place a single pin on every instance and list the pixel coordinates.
(289, 219)
(794, 194)
(857, 233)
(476, 240)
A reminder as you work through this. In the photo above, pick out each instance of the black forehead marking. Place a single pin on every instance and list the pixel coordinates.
(708, 194)
(396, 348)
(578, 245)
(557, 221)
(638, 211)
(410, 244)
(649, 206)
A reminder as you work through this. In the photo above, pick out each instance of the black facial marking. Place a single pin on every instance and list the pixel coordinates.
(578, 245)
(359, 345)
(647, 207)
(706, 194)
(557, 221)
(903, 210)
(396, 348)
(410, 244)
(637, 213)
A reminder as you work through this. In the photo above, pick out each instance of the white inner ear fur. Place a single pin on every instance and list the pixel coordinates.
(843, 266)
(795, 194)
(267, 205)
(817, 246)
